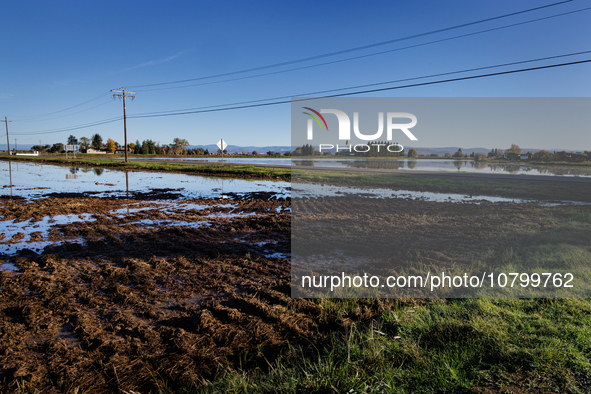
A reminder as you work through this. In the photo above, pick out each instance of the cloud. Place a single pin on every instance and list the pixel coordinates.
(6, 95)
(155, 62)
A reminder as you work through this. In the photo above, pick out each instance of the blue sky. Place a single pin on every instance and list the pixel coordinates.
(57, 55)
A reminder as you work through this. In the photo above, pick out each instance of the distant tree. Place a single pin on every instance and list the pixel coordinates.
(255, 153)
(72, 140)
(131, 147)
(308, 150)
(84, 143)
(288, 153)
(270, 153)
(111, 146)
(39, 148)
(458, 153)
(543, 155)
(479, 156)
(97, 141)
(447, 154)
(178, 145)
(412, 153)
(514, 149)
(148, 147)
(57, 148)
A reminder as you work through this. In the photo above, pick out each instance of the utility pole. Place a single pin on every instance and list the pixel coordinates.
(15, 146)
(122, 93)
(7, 141)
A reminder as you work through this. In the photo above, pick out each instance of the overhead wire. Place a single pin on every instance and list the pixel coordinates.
(72, 128)
(250, 104)
(365, 85)
(65, 109)
(229, 107)
(359, 48)
(367, 55)
(371, 90)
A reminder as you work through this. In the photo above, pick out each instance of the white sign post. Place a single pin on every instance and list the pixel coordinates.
(71, 148)
(222, 145)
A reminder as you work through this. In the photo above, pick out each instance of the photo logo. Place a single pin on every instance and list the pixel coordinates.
(315, 118)
(345, 124)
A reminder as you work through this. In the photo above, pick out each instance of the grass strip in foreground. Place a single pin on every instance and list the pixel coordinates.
(437, 346)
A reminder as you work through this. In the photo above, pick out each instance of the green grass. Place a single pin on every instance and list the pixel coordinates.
(441, 346)
(212, 169)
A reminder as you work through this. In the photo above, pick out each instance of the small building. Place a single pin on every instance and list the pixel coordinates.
(96, 151)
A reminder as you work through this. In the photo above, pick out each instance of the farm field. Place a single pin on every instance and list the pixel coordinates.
(172, 289)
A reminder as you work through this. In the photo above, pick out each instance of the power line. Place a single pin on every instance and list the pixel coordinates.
(368, 85)
(370, 54)
(335, 53)
(78, 127)
(64, 116)
(227, 107)
(373, 90)
(66, 109)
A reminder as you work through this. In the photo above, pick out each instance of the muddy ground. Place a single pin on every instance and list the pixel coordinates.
(133, 300)
(155, 291)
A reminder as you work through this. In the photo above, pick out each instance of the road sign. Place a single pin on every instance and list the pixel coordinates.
(222, 144)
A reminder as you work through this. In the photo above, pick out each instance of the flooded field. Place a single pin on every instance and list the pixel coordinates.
(115, 281)
(32, 180)
(447, 165)
(444, 165)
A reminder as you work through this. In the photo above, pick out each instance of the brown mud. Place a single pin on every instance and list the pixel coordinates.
(146, 294)
(144, 300)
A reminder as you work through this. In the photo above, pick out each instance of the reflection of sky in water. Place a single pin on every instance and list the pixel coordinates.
(449, 165)
(310, 190)
(36, 180)
(233, 160)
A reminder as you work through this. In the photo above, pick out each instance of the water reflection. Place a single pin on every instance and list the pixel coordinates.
(10, 172)
(449, 165)
(38, 180)
(303, 163)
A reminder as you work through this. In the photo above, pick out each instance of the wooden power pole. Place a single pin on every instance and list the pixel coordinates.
(7, 142)
(123, 94)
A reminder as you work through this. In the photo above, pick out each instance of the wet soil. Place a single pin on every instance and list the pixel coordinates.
(146, 292)
(172, 291)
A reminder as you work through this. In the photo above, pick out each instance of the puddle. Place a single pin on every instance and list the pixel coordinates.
(36, 246)
(8, 267)
(11, 228)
